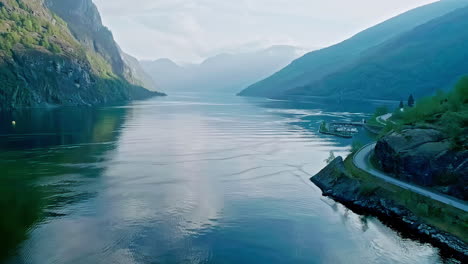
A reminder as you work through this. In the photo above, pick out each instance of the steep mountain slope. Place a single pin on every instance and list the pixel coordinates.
(133, 68)
(318, 64)
(43, 63)
(430, 57)
(227, 73)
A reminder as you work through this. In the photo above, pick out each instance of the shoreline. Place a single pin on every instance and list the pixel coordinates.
(335, 182)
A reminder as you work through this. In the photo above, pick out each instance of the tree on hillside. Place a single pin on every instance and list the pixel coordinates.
(402, 105)
(411, 101)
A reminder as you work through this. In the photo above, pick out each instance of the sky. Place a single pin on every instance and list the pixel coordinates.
(192, 30)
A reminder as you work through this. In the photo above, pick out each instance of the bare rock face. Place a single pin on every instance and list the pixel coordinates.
(424, 157)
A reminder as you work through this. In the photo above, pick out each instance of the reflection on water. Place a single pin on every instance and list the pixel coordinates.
(38, 179)
(183, 179)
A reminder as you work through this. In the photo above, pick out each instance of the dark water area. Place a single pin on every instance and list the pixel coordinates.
(184, 179)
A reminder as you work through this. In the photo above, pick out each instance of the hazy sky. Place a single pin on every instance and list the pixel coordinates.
(190, 30)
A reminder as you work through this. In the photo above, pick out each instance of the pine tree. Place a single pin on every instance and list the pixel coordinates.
(402, 105)
(411, 101)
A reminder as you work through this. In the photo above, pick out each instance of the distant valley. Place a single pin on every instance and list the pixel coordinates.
(225, 73)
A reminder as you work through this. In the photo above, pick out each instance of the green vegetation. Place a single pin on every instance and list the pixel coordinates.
(29, 30)
(447, 112)
(439, 215)
(380, 111)
(356, 146)
(100, 66)
(21, 26)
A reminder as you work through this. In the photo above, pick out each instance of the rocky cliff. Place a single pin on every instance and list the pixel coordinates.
(58, 53)
(426, 157)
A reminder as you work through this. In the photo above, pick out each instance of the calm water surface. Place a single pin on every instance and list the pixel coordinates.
(183, 179)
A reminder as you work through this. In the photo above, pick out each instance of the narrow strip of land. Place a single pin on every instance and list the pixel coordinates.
(361, 160)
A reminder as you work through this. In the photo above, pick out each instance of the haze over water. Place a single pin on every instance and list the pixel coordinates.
(188, 179)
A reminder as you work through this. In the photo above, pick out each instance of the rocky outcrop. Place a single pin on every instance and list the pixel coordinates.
(336, 183)
(424, 157)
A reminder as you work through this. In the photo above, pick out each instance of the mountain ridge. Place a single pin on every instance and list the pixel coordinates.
(412, 63)
(317, 64)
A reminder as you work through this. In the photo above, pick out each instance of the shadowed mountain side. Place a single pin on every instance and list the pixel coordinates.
(316, 65)
(415, 63)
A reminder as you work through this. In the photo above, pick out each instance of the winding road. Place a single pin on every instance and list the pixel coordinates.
(361, 160)
(383, 119)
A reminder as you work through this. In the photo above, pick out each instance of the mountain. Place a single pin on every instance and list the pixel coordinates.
(134, 68)
(165, 73)
(316, 65)
(57, 52)
(413, 63)
(227, 73)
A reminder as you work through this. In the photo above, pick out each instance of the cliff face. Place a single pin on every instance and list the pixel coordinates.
(59, 53)
(424, 157)
(85, 23)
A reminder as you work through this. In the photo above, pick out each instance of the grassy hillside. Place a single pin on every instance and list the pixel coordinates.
(446, 111)
(318, 64)
(427, 58)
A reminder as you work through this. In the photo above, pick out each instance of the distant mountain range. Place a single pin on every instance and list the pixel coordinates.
(225, 73)
(417, 52)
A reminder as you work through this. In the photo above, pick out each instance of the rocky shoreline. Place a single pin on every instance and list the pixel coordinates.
(337, 183)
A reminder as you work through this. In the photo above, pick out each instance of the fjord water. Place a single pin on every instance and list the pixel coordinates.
(184, 179)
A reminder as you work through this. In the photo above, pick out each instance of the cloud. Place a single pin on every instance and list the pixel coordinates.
(191, 30)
